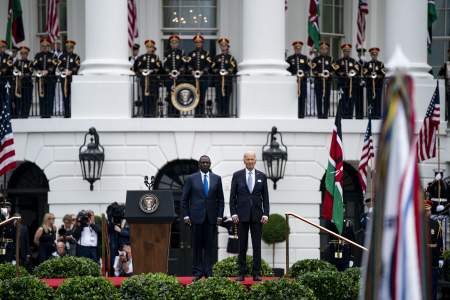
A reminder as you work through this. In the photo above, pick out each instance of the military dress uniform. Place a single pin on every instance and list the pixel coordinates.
(133, 58)
(23, 87)
(71, 62)
(433, 189)
(6, 64)
(359, 106)
(296, 63)
(46, 61)
(232, 245)
(6, 244)
(173, 60)
(338, 252)
(224, 84)
(149, 84)
(199, 60)
(374, 97)
(319, 65)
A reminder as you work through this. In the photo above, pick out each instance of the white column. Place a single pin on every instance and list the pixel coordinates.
(409, 30)
(266, 89)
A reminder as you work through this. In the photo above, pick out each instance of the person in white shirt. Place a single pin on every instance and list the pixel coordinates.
(60, 250)
(123, 264)
(87, 234)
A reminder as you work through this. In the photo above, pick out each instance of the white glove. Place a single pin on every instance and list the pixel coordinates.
(441, 263)
(438, 176)
(14, 262)
(350, 263)
(371, 209)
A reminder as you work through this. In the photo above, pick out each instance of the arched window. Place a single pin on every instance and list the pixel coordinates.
(173, 175)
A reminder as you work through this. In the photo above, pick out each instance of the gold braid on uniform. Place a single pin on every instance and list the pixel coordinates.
(441, 231)
(19, 84)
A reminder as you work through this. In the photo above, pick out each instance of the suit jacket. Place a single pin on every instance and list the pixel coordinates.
(200, 203)
(250, 207)
(24, 243)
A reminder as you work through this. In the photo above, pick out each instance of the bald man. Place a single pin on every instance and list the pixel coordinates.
(249, 207)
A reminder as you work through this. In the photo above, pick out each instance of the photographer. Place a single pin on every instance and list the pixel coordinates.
(118, 228)
(87, 234)
(65, 235)
(123, 264)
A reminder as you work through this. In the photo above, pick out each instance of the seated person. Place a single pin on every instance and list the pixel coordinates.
(60, 250)
(123, 264)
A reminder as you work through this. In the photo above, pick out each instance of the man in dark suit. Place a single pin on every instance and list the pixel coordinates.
(249, 207)
(24, 248)
(202, 204)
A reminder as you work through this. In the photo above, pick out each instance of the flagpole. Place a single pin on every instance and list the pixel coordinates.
(10, 38)
(362, 47)
(371, 177)
(439, 167)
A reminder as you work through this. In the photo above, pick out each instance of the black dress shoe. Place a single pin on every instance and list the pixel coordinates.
(240, 278)
(256, 278)
(196, 278)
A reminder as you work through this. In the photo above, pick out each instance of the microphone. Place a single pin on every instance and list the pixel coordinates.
(146, 178)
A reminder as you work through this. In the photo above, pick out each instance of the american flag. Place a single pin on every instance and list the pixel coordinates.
(132, 22)
(7, 151)
(363, 10)
(426, 142)
(52, 21)
(367, 153)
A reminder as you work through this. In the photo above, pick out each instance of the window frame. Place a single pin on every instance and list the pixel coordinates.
(444, 38)
(43, 16)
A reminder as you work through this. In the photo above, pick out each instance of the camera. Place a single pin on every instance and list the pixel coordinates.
(122, 253)
(62, 231)
(117, 212)
(83, 217)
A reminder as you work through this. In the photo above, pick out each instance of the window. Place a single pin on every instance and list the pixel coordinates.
(61, 12)
(332, 25)
(188, 18)
(441, 36)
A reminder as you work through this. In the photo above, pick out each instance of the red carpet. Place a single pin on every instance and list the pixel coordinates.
(54, 283)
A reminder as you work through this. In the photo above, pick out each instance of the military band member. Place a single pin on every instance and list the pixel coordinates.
(6, 64)
(321, 65)
(374, 68)
(436, 245)
(23, 88)
(14, 54)
(174, 59)
(223, 61)
(299, 62)
(135, 56)
(359, 106)
(344, 68)
(150, 63)
(69, 63)
(6, 244)
(438, 184)
(232, 245)
(364, 218)
(199, 60)
(45, 63)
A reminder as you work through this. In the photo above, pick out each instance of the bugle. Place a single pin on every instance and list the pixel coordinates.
(39, 73)
(300, 73)
(17, 73)
(223, 72)
(352, 73)
(63, 74)
(373, 75)
(146, 72)
(197, 74)
(174, 73)
(325, 74)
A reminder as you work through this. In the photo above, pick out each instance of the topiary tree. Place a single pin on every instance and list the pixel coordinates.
(25, 288)
(151, 286)
(274, 232)
(8, 271)
(87, 288)
(98, 220)
(281, 288)
(310, 265)
(328, 285)
(229, 267)
(67, 267)
(354, 275)
(217, 288)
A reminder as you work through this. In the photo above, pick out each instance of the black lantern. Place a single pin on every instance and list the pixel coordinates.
(92, 158)
(274, 158)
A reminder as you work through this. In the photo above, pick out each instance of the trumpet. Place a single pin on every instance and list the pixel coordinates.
(174, 73)
(197, 74)
(326, 73)
(17, 73)
(300, 73)
(352, 73)
(63, 74)
(373, 75)
(39, 73)
(223, 72)
(146, 72)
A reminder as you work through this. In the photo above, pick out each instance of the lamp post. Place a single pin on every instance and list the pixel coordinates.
(274, 158)
(92, 158)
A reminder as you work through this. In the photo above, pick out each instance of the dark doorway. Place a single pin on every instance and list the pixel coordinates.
(354, 199)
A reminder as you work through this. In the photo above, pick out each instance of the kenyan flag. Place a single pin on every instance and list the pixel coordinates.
(15, 24)
(333, 203)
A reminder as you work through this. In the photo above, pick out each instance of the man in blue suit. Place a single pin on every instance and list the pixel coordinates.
(249, 208)
(202, 205)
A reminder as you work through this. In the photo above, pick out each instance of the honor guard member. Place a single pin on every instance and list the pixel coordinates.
(340, 253)
(135, 56)
(23, 88)
(374, 73)
(6, 64)
(347, 69)
(322, 66)
(146, 65)
(199, 60)
(436, 245)
(299, 65)
(364, 217)
(68, 64)
(359, 106)
(232, 246)
(174, 60)
(433, 189)
(6, 243)
(223, 64)
(14, 54)
(45, 64)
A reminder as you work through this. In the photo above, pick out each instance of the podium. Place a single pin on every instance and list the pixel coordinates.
(150, 215)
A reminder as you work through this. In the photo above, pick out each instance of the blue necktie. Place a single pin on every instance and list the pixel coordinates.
(205, 184)
(249, 182)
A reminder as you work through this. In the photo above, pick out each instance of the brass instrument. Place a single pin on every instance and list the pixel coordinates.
(39, 73)
(325, 74)
(17, 72)
(300, 73)
(373, 75)
(223, 72)
(174, 73)
(352, 73)
(197, 74)
(18, 90)
(146, 72)
(63, 74)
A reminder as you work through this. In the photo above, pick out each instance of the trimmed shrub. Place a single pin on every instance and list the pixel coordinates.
(8, 271)
(354, 276)
(326, 284)
(281, 289)
(310, 265)
(229, 267)
(215, 288)
(67, 267)
(25, 288)
(274, 232)
(98, 220)
(86, 288)
(151, 286)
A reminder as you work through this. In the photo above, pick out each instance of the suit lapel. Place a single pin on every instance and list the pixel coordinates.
(210, 183)
(256, 179)
(244, 178)
(199, 179)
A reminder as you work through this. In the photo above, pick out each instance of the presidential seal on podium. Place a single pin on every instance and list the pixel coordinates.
(148, 203)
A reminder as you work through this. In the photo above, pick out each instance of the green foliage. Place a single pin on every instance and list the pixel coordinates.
(274, 231)
(25, 288)
(215, 288)
(98, 220)
(8, 271)
(354, 276)
(87, 288)
(280, 289)
(229, 267)
(67, 267)
(151, 286)
(328, 285)
(310, 265)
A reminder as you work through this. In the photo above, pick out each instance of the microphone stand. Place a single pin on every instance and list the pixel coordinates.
(151, 184)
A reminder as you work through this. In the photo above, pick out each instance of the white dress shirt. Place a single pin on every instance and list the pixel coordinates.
(85, 239)
(209, 186)
(117, 270)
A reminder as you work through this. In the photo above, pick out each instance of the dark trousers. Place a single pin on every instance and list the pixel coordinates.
(66, 99)
(88, 252)
(3, 93)
(340, 267)
(200, 109)
(359, 105)
(24, 102)
(46, 102)
(172, 111)
(301, 100)
(322, 112)
(203, 235)
(349, 102)
(223, 102)
(256, 230)
(149, 102)
(375, 103)
(435, 278)
(9, 255)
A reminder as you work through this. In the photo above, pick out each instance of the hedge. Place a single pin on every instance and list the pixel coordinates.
(151, 286)
(8, 271)
(281, 289)
(25, 288)
(67, 267)
(229, 267)
(326, 284)
(215, 288)
(87, 288)
(310, 265)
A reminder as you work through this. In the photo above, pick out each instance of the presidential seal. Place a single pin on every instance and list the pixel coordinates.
(185, 97)
(149, 203)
